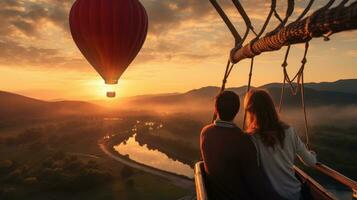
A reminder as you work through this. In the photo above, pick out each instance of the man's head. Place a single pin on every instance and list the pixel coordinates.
(227, 105)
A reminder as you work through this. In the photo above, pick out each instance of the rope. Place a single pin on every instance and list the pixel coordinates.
(248, 87)
(321, 22)
(307, 142)
(289, 12)
(272, 45)
(237, 37)
(284, 65)
(294, 89)
(267, 20)
(276, 14)
(302, 87)
(306, 10)
(227, 72)
(250, 74)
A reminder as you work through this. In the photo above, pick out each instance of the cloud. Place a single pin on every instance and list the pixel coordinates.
(15, 54)
(30, 17)
(166, 15)
(25, 34)
(9, 3)
(37, 34)
(173, 24)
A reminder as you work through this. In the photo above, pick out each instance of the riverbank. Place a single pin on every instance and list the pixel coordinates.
(177, 180)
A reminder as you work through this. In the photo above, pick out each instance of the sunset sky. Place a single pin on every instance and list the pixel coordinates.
(187, 47)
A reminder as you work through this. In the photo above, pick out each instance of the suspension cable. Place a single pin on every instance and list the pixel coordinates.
(284, 65)
(299, 77)
(343, 3)
(237, 37)
(302, 87)
(246, 19)
(227, 72)
(248, 87)
(306, 10)
(267, 20)
(289, 12)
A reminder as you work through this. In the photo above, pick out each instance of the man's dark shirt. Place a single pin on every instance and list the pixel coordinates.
(231, 165)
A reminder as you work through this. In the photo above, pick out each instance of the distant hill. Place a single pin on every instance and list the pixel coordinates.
(346, 86)
(339, 93)
(14, 106)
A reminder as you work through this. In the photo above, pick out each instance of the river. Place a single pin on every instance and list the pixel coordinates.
(152, 158)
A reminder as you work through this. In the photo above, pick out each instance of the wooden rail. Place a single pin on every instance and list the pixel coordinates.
(200, 182)
(319, 192)
(338, 177)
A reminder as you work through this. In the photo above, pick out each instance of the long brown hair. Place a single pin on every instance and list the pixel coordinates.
(263, 119)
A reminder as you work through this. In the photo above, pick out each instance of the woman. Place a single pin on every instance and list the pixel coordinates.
(277, 144)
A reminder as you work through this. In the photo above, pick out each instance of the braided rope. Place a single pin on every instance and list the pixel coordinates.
(323, 21)
(299, 77)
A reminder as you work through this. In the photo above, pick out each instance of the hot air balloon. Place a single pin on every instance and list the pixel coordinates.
(109, 33)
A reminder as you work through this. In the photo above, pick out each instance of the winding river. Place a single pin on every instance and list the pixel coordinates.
(152, 158)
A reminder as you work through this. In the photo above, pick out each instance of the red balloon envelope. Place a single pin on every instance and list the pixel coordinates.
(109, 33)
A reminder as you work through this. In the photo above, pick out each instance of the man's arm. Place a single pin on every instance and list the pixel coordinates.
(252, 175)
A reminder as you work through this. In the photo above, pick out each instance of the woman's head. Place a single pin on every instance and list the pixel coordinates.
(262, 117)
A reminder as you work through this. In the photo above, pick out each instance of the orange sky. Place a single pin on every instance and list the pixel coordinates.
(186, 48)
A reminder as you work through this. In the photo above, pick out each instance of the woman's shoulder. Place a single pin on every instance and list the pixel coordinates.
(290, 133)
(288, 129)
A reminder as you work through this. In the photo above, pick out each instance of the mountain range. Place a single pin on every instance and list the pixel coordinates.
(339, 93)
(14, 106)
(18, 107)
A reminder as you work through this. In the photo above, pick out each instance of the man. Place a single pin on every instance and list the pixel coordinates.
(230, 157)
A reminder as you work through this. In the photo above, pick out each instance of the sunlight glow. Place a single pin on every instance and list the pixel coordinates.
(98, 89)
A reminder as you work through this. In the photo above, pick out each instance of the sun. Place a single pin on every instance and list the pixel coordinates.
(98, 89)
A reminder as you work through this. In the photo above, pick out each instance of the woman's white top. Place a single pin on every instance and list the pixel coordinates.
(278, 162)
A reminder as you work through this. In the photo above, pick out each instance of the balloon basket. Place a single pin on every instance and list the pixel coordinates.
(111, 94)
